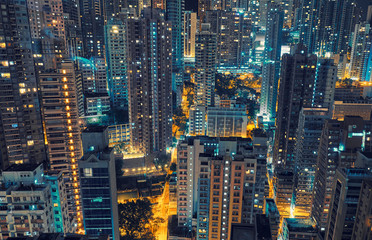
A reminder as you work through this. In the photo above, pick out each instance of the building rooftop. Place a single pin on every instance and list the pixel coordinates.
(263, 229)
(367, 154)
(30, 188)
(242, 231)
(271, 206)
(93, 129)
(22, 168)
(301, 225)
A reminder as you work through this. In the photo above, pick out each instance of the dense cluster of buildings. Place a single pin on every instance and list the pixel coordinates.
(290, 159)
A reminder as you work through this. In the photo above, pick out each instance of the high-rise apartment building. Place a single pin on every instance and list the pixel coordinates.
(175, 14)
(63, 223)
(272, 213)
(116, 52)
(92, 17)
(221, 182)
(363, 221)
(205, 63)
(203, 7)
(190, 22)
(346, 187)
(59, 101)
(324, 85)
(21, 136)
(150, 81)
(309, 131)
(309, 14)
(98, 184)
(283, 182)
(360, 52)
(336, 22)
(339, 145)
(295, 92)
(233, 34)
(271, 62)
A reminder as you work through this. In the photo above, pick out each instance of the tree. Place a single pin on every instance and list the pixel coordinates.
(161, 160)
(173, 167)
(135, 218)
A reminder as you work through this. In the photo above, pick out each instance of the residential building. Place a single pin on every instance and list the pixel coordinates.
(221, 183)
(325, 82)
(26, 203)
(190, 20)
(338, 147)
(283, 182)
(272, 213)
(346, 187)
(295, 92)
(59, 102)
(21, 134)
(63, 223)
(175, 14)
(362, 41)
(363, 221)
(92, 18)
(336, 22)
(197, 120)
(309, 131)
(119, 133)
(271, 62)
(232, 29)
(150, 87)
(205, 63)
(96, 104)
(116, 52)
(98, 184)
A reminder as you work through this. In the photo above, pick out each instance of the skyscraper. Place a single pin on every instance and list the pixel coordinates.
(190, 21)
(295, 92)
(271, 64)
(309, 131)
(59, 102)
(21, 136)
(360, 52)
(325, 82)
(233, 33)
(116, 48)
(98, 184)
(339, 143)
(92, 14)
(343, 206)
(150, 81)
(336, 22)
(205, 63)
(175, 14)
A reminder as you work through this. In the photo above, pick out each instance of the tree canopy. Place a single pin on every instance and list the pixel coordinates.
(135, 218)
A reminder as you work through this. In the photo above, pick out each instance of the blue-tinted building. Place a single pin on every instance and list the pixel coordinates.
(98, 185)
(62, 222)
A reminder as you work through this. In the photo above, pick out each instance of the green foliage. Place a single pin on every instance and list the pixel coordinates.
(179, 119)
(135, 219)
(173, 167)
(161, 160)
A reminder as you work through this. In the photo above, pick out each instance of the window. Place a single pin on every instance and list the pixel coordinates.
(88, 172)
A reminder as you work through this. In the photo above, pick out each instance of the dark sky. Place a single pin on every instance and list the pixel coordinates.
(191, 5)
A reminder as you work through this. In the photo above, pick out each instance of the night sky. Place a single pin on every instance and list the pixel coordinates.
(191, 5)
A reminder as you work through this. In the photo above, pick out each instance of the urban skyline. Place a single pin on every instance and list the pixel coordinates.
(190, 120)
